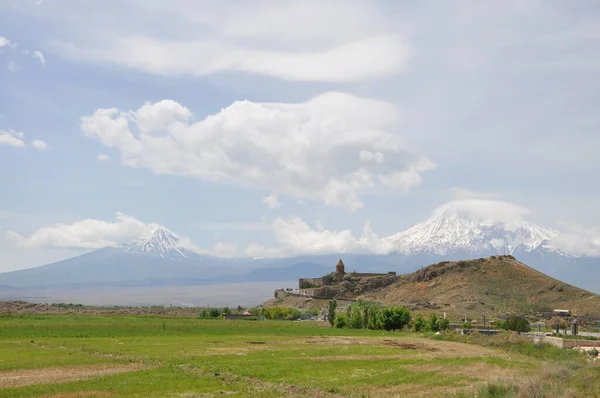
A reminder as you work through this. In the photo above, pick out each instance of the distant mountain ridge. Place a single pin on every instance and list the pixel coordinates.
(161, 257)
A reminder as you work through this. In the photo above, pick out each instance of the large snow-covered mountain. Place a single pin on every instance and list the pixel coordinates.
(451, 233)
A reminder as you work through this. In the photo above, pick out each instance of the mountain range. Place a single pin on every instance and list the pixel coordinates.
(161, 258)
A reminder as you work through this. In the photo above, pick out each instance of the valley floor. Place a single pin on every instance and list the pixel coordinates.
(141, 356)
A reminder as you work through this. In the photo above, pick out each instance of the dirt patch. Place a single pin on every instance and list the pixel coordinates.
(257, 342)
(25, 377)
(409, 346)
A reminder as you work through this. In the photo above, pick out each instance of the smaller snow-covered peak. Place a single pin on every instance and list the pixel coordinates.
(159, 241)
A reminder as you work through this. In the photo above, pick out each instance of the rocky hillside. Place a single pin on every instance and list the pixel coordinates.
(494, 286)
(498, 285)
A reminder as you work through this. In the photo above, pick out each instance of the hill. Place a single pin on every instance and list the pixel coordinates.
(494, 286)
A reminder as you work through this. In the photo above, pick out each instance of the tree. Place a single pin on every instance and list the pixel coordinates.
(340, 321)
(517, 324)
(419, 323)
(394, 318)
(331, 311)
(226, 311)
(444, 324)
(433, 322)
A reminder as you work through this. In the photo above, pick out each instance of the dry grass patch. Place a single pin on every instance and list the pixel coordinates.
(26, 377)
(482, 371)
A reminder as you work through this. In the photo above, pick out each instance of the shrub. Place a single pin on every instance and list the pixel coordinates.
(593, 352)
(340, 321)
(444, 324)
(467, 325)
(517, 324)
(433, 323)
(394, 318)
(419, 323)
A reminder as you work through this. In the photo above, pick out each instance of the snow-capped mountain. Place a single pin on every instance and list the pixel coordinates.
(449, 232)
(158, 241)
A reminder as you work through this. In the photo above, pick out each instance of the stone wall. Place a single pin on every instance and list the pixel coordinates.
(564, 343)
(309, 283)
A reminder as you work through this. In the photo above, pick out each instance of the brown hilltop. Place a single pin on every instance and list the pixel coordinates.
(498, 285)
(494, 286)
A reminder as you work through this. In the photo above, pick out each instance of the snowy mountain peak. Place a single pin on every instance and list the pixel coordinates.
(158, 241)
(452, 231)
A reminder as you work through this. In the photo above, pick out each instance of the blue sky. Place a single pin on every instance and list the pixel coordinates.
(357, 111)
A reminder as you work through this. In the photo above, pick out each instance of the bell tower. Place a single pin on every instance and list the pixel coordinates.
(339, 268)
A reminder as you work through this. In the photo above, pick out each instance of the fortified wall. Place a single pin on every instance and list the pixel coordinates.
(326, 285)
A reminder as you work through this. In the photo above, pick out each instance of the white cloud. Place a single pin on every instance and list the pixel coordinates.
(4, 42)
(272, 201)
(102, 157)
(39, 144)
(462, 194)
(487, 212)
(39, 56)
(349, 62)
(84, 234)
(286, 40)
(297, 237)
(12, 138)
(309, 150)
(221, 249)
(584, 241)
(12, 67)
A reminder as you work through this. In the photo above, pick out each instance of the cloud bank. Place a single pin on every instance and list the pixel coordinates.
(84, 234)
(331, 148)
(281, 39)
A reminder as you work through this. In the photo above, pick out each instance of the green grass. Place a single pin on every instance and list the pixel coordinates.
(191, 357)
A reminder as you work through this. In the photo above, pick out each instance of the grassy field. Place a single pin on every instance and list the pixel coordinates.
(88, 356)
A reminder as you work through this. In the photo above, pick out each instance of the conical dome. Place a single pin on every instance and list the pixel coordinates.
(339, 268)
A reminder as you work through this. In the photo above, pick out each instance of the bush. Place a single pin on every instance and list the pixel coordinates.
(340, 321)
(467, 325)
(444, 324)
(593, 352)
(419, 323)
(394, 318)
(517, 324)
(433, 323)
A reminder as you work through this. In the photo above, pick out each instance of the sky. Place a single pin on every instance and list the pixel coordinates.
(248, 127)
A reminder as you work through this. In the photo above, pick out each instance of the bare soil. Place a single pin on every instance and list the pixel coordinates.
(25, 377)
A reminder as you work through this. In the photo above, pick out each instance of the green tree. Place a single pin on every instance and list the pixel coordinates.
(419, 323)
(444, 323)
(340, 321)
(433, 322)
(331, 311)
(394, 318)
(226, 311)
(215, 312)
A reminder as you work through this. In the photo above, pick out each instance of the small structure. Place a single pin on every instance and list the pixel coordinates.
(562, 312)
(340, 270)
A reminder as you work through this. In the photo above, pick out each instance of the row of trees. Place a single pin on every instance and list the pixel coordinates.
(277, 313)
(365, 315)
